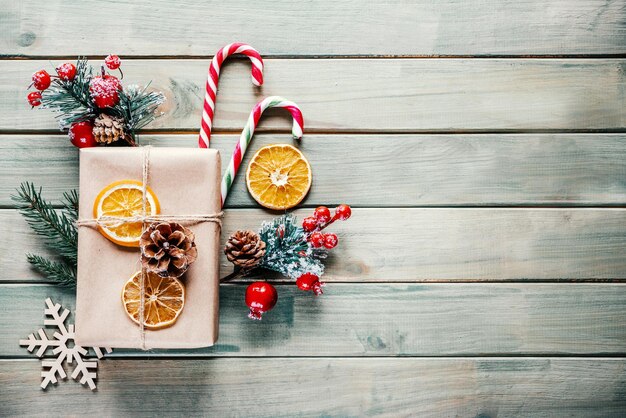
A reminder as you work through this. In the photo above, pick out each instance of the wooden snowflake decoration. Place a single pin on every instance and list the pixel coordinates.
(64, 348)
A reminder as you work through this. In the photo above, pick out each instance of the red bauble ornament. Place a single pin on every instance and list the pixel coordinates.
(34, 98)
(309, 281)
(105, 90)
(322, 214)
(330, 240)
(317, 239)
(343, 212)
(309, 224)
(66, 71)
(260, 297)
(112, 62)
(41, 80)
(81, 135)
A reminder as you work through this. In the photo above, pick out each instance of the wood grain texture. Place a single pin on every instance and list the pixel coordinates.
(404, 170)
(429, 244)
(398, 27)
(482, 387)
(385, 320)
(370, 95)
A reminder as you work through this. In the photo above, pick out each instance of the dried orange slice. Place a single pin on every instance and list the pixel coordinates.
(124, 199)
(164, 299)
(279, 176)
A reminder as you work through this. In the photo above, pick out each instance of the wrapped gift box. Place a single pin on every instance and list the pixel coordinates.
(186, 182)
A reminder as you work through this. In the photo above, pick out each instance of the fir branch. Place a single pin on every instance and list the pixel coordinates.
(71, 98)
(287, 250)
(60, 273)
(58, 229)
(70, 204)
(138, 107)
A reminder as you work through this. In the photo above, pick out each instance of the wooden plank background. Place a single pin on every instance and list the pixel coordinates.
(482, 145)
(435, 244)
(427, 170)
(327, 27)
(373, 95)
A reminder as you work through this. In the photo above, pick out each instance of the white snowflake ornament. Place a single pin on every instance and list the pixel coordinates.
(64, 348)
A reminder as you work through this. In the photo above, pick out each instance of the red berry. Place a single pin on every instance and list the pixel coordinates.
(81, 135)
(343, 212)
(317, 239)
(112, 62)
(322, 214)
(309, 224)
(260, 298)
(309, 281)
(41, 80)
(105, 90)
(66, 71)
(34, 98)
(330, 240)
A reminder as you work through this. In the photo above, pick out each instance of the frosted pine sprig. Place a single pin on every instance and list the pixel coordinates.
(287, 250)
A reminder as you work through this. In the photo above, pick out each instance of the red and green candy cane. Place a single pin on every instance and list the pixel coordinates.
(248, 133)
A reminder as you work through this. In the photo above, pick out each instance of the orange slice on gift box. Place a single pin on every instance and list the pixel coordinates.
(124, 199)
(164, 299)
(279, 176)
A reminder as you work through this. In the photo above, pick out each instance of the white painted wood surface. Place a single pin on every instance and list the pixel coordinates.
(370, 95)
(404, 170)
(327, 27)
(438, 244)
(431, 387)
(386, 320)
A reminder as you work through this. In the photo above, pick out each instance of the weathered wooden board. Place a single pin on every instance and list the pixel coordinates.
(480, 387)
(429, 244)
(398, 27)
(386, 320)
(404, 170)
(371, 95)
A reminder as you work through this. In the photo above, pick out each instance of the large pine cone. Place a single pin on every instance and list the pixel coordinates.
(245, 249)
(108, 129)
(167, 249)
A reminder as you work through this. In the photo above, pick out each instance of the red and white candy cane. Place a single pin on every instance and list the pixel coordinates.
(248, 132)
(206, 124)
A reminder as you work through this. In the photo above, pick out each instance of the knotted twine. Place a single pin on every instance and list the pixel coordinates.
(115, 221)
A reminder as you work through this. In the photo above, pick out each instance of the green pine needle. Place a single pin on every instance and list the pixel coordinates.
(138, 106)
(286, 248)
(59, 273)
(71, 99)
(56, 227)
(70, 204)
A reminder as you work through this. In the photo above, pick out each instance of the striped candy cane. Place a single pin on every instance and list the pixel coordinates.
(206, 125)
(248, 132)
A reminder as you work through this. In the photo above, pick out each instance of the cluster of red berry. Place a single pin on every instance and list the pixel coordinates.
(42, 80)
(262, 296)
(313, 225)
(104, 91)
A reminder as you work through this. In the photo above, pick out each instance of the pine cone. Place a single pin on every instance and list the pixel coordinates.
(167, 249)
(245, 249)
(108, 129)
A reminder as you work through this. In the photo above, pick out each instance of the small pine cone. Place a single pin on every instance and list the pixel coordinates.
(108, 129)
(245, 249)
(167, 249)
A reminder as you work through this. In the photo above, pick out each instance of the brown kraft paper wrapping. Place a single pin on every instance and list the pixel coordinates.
(187, 182)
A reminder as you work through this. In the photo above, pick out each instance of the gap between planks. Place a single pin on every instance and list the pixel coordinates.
(25, 57)
(338, 132)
